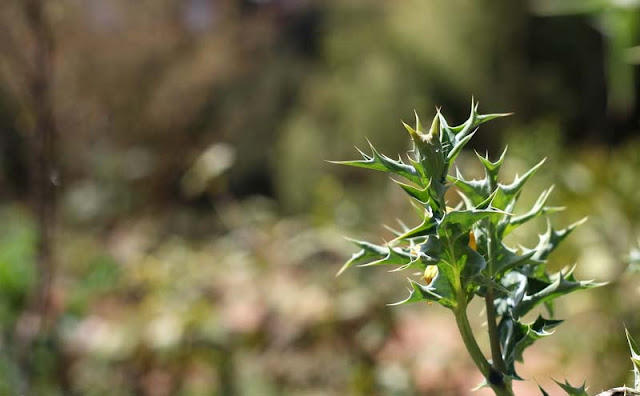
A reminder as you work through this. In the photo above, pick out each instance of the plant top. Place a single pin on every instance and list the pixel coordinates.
(461, 251)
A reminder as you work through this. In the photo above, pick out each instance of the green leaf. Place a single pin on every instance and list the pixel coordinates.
(438, 291)
(398, 257)
(550, 240)
(374, 255)
(368, 252)
(449, 136)
(508, 192)
(458, 146)
(455, 138)
(507, 259)
(544, 393)
(571, 390)
(427, 227)
(428, 150)
(515, 337)
(475, 190)
(465, 128)
(382, 163)
(423, 195)
(475, 120)
(471, 263)
(482, 118)
(483, 280)
(395, 232)
(539, 291)
(538, 209)
(492, 168)
(464, 219)
(635, 359)
(431, 247)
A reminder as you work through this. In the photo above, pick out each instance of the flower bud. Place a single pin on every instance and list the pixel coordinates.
(430, 273)
(428, 149)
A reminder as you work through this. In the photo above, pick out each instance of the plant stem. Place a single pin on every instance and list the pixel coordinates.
(496, 351)
(470, 342)
(492, 327)
(500, 389)
(494, 378)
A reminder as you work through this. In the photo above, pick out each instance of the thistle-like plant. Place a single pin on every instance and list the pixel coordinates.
(635, 360)
(461, 252)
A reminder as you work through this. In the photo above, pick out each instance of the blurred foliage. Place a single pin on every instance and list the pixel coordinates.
(16, 261)
(174, 278)
(619, 22)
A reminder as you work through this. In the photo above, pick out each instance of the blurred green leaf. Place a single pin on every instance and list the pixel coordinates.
(635, 359)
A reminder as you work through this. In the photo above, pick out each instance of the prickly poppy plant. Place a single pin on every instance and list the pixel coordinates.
(461, 252)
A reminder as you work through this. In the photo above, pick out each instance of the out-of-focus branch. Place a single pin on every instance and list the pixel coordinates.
(41, 130)
(622, 391)
(42, 140)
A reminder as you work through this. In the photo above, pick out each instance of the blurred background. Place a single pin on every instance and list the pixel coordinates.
(169, 225)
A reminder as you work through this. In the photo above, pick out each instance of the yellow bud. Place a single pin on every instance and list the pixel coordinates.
(472, 241)
(430, 273)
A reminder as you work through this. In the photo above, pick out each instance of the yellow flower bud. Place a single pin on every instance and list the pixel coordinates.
(430, 273)
(472, 241)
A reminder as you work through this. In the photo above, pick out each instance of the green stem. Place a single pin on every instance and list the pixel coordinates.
(492, 327)
(470, 342)
(494, 378)
(499, 387)
(496, 351)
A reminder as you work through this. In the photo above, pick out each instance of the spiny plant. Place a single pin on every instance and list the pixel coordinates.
(461, 252)
(635, 360)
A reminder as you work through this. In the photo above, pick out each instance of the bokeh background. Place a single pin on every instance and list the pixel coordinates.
(169, 225)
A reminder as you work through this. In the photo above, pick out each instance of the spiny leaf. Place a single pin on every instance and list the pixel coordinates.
(423, 195)
(540, 291)
(571, 390)
(488, 203)
(413, 133)
(432, 247)
(550, 240)
(508, 192)
(538, 209)
(476, 190)
(483, 280)
(457, 147)
(492, 168)
(398, 257)
(475, 120)
(421, 171)
(428, 150)
(449, 135)
(515, 337)
(439, 291)
(464, 129)
(427, 227)
(369, 251)
(635, 359)
(381, 162)
(470, 262)
(482, 118)
(395, 232)
(507, 259)
(464, 219)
